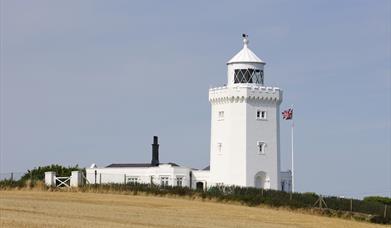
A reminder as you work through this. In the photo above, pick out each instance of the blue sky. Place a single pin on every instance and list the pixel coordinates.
(92, 81)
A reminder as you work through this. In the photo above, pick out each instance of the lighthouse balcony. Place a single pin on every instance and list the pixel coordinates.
(241, 92)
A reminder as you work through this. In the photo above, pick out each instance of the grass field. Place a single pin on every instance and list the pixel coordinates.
(75, 209)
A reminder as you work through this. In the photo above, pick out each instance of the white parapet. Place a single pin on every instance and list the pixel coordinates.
(50, 179)
(76, 179)
(241, 92)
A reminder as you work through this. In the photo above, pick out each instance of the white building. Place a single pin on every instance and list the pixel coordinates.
(245, 141)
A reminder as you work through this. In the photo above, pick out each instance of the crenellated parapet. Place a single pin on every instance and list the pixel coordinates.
(244, 93)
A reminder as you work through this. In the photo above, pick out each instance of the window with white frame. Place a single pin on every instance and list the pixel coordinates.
(132, 180)
(248, 76)
(219, 148)
(261, 147)
(164, 181)
(261, 115)
(220, 115)
(179, 181)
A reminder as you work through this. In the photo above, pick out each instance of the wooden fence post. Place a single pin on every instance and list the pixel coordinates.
(320, 202)
(385, 210)
(351, 205)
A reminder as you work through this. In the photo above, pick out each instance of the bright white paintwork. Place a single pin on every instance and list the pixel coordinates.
(234, 151)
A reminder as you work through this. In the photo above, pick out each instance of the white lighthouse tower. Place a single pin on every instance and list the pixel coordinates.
(244, 147)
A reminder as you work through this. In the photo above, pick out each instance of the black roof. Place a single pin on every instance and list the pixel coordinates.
(207, 168)
(171, 163)
(136, 165)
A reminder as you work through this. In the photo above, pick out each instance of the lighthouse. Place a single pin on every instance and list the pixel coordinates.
(244, 149)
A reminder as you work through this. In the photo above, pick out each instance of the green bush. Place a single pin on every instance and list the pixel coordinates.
(10, 184)
(38, 173)
(379, 199)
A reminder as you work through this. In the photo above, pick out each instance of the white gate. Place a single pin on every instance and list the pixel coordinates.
(63, 181)
(75, 180)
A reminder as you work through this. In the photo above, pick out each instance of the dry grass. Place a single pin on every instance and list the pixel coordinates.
(75, 209)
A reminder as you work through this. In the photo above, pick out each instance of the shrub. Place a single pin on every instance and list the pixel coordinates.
(38, 173)
(4, 184)
(379, 199)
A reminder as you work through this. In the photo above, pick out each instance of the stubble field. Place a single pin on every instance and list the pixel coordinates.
(75, 209)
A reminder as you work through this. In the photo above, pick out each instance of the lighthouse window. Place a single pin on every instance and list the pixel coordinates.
(261, 115)
(238, 77)
(219, 148)
(221, 115)
(259, 76)
(248, 76)
(261, 147)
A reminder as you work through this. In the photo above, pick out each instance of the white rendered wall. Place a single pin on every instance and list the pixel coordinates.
(201, 176)
(50, 179)
(240, 131)
(76, 179)
(266, 131)
(119, 175)
(228, 167)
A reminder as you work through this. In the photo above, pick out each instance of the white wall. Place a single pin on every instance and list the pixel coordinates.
(228, 166)
(201, 176)
(119, 175)
(239, 132)
(265, 131)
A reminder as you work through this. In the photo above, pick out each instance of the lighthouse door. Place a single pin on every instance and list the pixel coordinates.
(260, 180)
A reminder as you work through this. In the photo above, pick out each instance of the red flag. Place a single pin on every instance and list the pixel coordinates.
(287, 114)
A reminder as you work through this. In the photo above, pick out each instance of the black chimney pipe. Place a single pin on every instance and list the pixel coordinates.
(155, 152)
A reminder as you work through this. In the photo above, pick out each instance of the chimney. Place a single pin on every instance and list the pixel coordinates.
(155, 152)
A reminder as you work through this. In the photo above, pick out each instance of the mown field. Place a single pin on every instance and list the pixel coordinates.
(75, 209)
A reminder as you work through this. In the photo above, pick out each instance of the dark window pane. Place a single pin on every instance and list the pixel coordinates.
(257, 76)
(236, 80)
(240, 76)
(247, 76)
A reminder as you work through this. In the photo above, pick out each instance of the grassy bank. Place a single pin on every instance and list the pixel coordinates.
(363, 211)
(72, 208)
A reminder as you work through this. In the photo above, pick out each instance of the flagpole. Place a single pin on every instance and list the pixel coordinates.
(293, 167)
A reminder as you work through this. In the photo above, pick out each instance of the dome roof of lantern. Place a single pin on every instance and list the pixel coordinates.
(245, 55)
